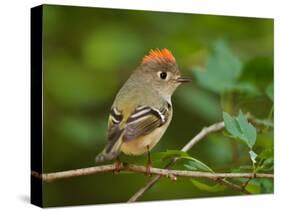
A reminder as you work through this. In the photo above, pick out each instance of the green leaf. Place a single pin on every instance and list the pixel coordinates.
(266, 165)
(248, 130)
(246, 87)
(222, 71)
(240, 128)
(253, 188)
(156, 157)
(206, 187)
(170, 154)
(191, 164)
(265, 161)
(266, 186)
(260, 185)
(196, 165)
(190, 167)
(270, 91)
(231, 125)
(267, 153)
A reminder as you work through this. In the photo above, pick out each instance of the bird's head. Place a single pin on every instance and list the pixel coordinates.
(159, 70)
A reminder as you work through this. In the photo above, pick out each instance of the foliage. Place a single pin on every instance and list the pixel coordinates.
(223, 69)
(240, 128)
(222, 76)
(206, 187)
(90, 52)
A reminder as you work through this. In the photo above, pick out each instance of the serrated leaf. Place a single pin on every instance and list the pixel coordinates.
(231, 125)
(248, 130)
(206, 187)
(240, 128)
(222, 71)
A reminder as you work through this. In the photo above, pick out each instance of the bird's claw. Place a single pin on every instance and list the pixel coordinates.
(148, 169)
(118, 165)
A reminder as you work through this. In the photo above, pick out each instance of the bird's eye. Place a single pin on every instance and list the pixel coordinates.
(163, 75)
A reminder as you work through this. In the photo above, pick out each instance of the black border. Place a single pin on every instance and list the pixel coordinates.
(36, 103)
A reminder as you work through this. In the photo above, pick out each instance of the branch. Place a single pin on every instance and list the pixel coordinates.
(202, 134)
(234, 186)
(262, 122)
(172, 174)
(158, 172)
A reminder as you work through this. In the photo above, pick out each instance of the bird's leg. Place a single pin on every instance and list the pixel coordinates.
(148, 165)
(117, 165)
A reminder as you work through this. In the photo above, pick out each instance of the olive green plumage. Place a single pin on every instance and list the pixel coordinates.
(142, 109)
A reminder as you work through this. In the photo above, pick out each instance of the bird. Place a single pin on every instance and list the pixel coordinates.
(142, 109)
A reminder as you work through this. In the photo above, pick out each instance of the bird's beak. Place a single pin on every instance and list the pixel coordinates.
(183, 80)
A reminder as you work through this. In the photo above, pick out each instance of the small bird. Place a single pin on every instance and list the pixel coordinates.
(142, 109)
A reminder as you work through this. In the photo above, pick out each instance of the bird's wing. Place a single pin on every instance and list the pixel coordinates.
(141, 122)
(144, 120)
(113, 146)
(114, 129)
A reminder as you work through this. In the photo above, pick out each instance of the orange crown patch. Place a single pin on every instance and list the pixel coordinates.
(159, 55)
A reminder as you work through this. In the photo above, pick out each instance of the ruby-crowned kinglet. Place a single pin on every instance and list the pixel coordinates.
(142, 109)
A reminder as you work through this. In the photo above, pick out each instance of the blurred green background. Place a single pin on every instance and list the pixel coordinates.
(88, 53)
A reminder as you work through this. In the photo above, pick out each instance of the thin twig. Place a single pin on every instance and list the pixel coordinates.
(234, 186)
(248, 181)
(143, 169)
(263, 122)
(158, 172)
(202, 134)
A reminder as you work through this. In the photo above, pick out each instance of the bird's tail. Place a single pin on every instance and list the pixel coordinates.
(110, 152)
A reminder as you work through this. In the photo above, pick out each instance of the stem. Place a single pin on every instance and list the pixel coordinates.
(197, 138)
(142, 169)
